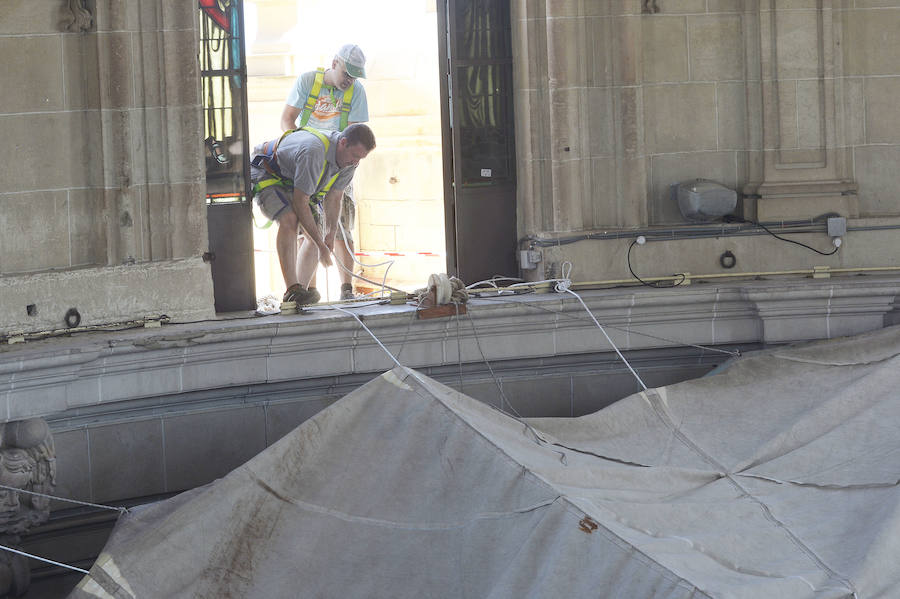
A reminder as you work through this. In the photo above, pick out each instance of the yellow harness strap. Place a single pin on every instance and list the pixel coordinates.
(313, 97)
(317, 197)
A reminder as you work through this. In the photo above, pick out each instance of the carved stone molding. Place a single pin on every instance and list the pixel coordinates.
(649, 7)
(79, 17)
(794, 100)
(27, 462)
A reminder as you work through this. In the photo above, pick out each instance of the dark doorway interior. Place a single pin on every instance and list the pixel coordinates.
(223, 77)
(479, 145)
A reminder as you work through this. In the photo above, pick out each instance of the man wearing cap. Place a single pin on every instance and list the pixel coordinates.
(330, 100)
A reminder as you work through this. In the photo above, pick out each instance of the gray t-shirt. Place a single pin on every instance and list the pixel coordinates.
(300, 157)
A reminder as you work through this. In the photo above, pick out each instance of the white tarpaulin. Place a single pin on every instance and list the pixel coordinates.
(777, 478)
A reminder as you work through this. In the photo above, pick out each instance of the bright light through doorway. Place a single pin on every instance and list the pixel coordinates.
(398, 188)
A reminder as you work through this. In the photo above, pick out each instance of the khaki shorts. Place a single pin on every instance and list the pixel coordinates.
(275, 199)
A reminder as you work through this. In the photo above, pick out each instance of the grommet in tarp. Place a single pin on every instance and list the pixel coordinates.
(727, 260)
(73, 318)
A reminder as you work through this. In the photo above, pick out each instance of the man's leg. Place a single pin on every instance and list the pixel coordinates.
(312, 282)
(286, 247)
(345, 258)
(308, 262)
(274, 204)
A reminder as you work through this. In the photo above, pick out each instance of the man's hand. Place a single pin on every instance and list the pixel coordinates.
(325, 249)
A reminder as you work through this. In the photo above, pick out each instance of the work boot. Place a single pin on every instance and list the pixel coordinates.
(302, 297)
(347, 291)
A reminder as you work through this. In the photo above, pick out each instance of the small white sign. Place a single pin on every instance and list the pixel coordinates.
(485, 172)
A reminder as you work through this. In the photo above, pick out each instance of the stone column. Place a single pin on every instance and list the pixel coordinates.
(530, 96)
(579, 131)
(802, 169)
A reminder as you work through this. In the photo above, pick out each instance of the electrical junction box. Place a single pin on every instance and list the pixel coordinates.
(528, 259)
(704, 200)
(837, 226)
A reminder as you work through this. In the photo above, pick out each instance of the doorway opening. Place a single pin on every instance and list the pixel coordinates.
(399, 187)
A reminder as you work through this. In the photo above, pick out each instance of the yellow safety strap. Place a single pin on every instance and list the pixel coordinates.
(313, 96)
(289, 183)
(345, 107)
(325, 142)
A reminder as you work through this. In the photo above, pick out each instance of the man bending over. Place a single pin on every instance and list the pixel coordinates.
(299, 180)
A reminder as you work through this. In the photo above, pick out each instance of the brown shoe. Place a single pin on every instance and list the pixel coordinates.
(302, 297)
(291, 294)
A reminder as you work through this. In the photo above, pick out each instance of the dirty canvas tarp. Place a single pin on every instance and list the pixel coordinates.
(776, 478)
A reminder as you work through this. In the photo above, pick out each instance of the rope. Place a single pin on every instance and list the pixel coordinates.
(734, 354)
(537, 438)
(121, 510)
(562, 286)
(528, 428)
(493, 282)
(377, 340)
(503, 398)
(41, 559)
(448, 290)
(353, 274)
(602, 330)
(389, 263)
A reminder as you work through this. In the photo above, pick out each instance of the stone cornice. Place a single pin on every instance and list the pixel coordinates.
(52, 376)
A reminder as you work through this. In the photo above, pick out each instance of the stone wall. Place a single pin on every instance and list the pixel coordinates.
(789, 103)
(102, 207)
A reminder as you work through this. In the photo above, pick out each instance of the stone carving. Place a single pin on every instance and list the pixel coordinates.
(649, 7)
(80, 18)
(28, 462)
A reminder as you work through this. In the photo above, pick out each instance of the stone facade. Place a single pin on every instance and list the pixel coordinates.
(789, 103)
(103, 204)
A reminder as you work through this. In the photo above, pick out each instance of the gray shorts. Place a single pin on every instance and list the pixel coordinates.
(275, 199)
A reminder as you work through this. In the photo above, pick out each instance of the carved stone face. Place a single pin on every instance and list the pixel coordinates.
(17, 471)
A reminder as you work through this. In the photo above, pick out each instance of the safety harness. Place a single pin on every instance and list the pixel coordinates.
(310, 105)
(268, 160)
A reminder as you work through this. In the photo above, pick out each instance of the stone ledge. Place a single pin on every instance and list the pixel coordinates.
(53, 376)
(181, 289)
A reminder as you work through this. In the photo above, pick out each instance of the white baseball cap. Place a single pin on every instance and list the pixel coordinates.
(354, 60)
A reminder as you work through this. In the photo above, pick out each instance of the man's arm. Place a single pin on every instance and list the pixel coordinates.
(289, 117)
(332, 205)
(300, 204)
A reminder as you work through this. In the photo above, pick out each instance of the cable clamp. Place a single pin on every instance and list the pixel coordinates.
(821, 272)
(17, 337)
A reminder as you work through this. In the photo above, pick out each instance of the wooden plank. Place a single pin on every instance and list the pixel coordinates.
(441, 311)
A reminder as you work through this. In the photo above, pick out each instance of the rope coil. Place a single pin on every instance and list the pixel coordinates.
(447, 290)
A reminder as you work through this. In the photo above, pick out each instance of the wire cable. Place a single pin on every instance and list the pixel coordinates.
(121, 510)
(602, 330)
(734, 353)
(503, 398)
(654, 284)
(766, 229)
(383, 284)
(389, 263)
(563, 286)
(42, 559)
(377, 340)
